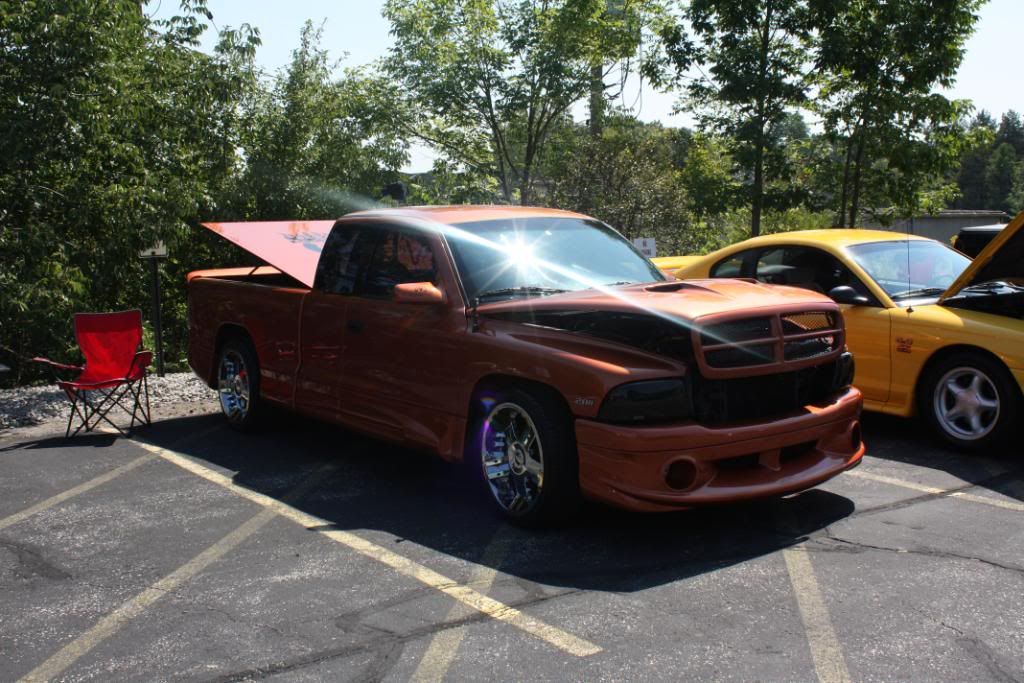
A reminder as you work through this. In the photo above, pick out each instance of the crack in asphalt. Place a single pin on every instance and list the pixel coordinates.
(385, 644)
(31, 563)
(974, 646)
(816, 543)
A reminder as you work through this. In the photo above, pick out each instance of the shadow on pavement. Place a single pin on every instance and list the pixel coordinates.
(440, 506)
(908, 441)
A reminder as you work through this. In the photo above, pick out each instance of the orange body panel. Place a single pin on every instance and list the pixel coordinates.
(409, 372)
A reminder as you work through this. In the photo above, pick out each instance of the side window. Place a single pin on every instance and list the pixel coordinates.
(806, 267)
(339, 261)
(399, 257)
(731, 266)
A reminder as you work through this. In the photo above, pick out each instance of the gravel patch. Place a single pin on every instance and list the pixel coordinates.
(30, 406)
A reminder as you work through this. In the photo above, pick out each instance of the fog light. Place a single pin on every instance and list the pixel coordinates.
(855, 435)
(681, 474)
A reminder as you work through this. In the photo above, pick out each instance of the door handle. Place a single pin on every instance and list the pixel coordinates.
(355, 325)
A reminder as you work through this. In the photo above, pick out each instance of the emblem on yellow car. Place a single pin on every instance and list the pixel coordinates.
(903, 344)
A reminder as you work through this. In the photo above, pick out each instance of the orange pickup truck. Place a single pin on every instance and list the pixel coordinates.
(539, 346)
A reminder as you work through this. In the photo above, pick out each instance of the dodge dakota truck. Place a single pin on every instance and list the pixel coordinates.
(537, 345)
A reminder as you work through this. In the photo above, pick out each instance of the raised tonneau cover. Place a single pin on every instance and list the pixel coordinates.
(293, 247)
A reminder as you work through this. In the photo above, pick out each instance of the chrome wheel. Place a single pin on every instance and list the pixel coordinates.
(966, 403)
(512, 457)
(233, 385)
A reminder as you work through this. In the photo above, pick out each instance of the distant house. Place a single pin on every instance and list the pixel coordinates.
(942, 226)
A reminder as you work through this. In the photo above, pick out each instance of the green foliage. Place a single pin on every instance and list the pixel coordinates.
(505, 72)
(879, 63)
(116, 134)
(753, 60)
(626, 177)
(319, 146)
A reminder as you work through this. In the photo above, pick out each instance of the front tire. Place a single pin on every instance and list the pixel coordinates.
(970, 401)
(238, 384)
(525, 455)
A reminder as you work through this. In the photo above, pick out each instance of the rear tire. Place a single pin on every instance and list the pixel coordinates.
(970, 401)
(238, 384)
(524, 453)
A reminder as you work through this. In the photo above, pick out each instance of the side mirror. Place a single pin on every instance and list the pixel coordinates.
(844, 294)
(419, 293)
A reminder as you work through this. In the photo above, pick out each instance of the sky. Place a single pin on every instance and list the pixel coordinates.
(355, 31)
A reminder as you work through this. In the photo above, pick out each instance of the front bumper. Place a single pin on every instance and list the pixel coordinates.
(629, 466)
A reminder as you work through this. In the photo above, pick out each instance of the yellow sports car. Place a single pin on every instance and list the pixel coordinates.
(931, 332)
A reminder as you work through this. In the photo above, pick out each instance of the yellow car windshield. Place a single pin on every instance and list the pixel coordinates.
(909, 269)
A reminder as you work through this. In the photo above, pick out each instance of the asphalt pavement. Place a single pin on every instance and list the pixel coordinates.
(306, 553)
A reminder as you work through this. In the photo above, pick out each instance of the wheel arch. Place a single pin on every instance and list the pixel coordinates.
(945, 352)
(225, 332)
(487, 390)
(496, 382)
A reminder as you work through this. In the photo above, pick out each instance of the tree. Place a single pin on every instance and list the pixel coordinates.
(880, 61)
(505, 71)
(116, 132)
(1011, 132)
(970, 175)
(318, 145)
(753, 60)
(1000, 175)
(628, 178)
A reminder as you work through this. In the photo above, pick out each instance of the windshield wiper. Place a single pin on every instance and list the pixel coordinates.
(517, 291)
(924, 291)
(616, 284)
(993, 284)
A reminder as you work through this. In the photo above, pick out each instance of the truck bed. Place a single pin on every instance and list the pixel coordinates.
(263, 303)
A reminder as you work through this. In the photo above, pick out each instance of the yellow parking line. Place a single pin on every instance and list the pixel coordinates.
(75, 491)
(948, 493)
(481, 603)
(826, 652)
(113, 622)
(445, 644)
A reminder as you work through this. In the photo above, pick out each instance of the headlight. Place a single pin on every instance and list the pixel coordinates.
(658, 400)
(843, 376)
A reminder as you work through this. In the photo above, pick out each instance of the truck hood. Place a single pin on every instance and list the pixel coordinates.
(293, 247)
(1002, 259)
(683, 301)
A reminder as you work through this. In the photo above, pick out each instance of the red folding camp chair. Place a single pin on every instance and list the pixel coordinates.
(114, 373)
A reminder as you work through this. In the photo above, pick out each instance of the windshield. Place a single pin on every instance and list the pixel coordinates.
(543, 255)
(907, 269)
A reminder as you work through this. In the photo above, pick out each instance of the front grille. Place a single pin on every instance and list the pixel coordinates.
(720, 401)
(726, 346)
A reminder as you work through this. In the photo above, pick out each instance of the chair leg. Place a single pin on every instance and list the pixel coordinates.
(102, 408)
(71, 414)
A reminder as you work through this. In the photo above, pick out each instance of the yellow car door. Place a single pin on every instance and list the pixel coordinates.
(868, 331)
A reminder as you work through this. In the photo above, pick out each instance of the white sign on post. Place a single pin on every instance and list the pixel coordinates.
(646, 246)
(158, 250)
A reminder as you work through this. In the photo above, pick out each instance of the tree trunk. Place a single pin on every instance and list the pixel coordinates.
(841, 217)
(596, 100)
(757, 200)
(855, 200)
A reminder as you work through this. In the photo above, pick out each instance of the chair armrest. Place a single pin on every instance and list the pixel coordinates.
(142, 360)
(56, 365)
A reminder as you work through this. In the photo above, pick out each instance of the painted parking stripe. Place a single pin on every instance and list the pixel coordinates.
(552, 635)
(75, 491)
(826, 652)
(444, 645)
(935, 491)
(113, 622)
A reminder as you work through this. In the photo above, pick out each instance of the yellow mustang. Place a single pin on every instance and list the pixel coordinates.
(932, 333)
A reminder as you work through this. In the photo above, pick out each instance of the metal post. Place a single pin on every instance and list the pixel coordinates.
(157, 323)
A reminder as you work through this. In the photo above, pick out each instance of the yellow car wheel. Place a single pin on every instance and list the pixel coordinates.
(970, 401)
